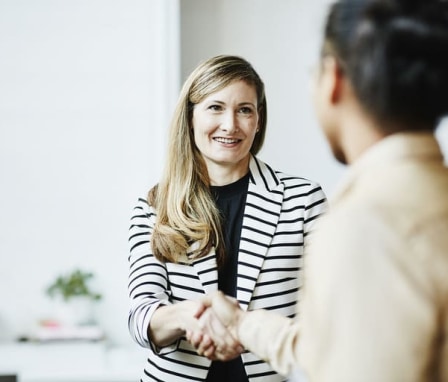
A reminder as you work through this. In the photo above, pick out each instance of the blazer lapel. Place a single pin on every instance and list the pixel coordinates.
(262, 211)
(207, 271)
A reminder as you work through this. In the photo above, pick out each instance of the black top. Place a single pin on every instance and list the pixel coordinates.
(231, 200)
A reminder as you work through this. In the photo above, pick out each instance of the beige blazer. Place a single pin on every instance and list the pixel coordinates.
(375, 304)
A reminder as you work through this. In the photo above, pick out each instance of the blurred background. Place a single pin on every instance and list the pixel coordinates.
(87, 89)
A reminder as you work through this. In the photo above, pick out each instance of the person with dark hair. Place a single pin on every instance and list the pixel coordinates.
(375, 298)
(220, 218)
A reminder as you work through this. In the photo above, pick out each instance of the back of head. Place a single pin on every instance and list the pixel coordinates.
(395, 54)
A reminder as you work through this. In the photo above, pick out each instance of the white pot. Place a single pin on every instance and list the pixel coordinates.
(75, 311)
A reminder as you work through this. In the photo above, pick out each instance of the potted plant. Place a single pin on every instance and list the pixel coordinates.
(75, 297)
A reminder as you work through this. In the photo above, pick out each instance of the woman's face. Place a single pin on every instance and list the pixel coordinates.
(225, 124)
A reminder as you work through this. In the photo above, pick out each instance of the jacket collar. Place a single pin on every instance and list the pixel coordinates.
(263, 183)
(262, 176)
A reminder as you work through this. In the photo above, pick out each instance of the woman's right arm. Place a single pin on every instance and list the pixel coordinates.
(148, 277)
(153, 319)
(171, 322)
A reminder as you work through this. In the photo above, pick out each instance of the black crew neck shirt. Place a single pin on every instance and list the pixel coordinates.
(231, 200)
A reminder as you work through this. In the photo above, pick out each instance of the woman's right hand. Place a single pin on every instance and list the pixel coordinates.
(171, 322)
(201, 327)
(213, 339)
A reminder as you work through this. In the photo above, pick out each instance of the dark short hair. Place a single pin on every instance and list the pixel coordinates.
(395, 54)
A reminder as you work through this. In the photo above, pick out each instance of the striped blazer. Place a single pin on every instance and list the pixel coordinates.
(280, 211)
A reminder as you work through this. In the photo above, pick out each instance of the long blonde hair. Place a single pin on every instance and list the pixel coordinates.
(186, 210)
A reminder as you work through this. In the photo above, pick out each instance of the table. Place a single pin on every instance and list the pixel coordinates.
(71, 361)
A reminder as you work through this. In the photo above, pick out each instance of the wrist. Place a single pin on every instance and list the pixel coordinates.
(239, 326)
(165, 326)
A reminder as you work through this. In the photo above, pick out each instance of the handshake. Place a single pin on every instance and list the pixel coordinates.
(220, 330)
(214, 329)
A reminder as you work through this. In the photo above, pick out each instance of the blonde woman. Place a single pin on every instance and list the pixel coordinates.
(219, 218)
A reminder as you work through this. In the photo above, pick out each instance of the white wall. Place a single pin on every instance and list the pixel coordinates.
(86, 87)
(442, 136)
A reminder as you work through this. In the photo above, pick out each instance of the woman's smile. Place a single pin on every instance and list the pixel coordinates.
(227, 141)
(225, 123)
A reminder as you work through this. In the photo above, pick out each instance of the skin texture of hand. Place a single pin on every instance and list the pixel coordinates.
(227, 310)
(171, 322)
(226, 346)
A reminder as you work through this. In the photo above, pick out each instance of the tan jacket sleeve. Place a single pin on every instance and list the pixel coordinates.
(272, 337)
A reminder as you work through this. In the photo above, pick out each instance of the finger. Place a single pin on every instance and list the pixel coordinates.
(219, 355)
(206, 300)
(205, 345)
(222, 338)
(196, 339)
(224, 335)
(209, 352)
(200, 309)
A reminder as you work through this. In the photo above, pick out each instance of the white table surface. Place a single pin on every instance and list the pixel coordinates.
(71, 362)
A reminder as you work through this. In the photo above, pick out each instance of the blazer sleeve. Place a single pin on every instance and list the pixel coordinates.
(148, 277)
(315, 207)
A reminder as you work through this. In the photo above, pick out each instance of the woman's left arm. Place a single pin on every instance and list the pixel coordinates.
(316, 206)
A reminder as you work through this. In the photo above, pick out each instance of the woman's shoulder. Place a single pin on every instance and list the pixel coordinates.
(298, 186)
(296, 180)
(290, 181)
(142, 207)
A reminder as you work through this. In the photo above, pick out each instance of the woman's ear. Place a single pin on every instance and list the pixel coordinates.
(332, 78)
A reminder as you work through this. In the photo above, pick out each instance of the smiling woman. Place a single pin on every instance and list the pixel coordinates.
(219, 218)
(224, 125)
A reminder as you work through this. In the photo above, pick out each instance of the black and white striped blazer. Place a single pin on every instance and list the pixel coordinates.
(280, 211)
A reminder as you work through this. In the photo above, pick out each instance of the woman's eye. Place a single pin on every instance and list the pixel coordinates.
(246, 110)
(215, 108)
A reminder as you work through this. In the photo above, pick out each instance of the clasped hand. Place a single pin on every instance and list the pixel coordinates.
(216, 335)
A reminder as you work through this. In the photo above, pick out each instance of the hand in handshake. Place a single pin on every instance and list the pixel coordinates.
(217, 336)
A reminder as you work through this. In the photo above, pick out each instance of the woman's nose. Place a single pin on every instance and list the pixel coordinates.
(229, 123)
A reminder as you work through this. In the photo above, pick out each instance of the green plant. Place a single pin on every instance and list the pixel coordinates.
(72, 285)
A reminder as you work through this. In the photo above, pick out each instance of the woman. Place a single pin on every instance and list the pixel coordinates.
(375, 302)
(219, 218)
